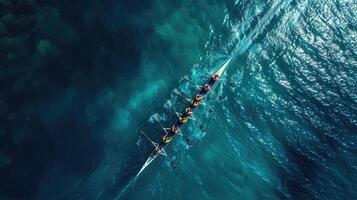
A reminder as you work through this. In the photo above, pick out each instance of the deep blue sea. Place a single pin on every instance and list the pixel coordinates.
(79, 80)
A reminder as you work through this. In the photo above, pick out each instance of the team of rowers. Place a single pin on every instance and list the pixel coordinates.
(187, 114)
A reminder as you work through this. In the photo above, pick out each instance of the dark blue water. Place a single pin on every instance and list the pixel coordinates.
(78, 79)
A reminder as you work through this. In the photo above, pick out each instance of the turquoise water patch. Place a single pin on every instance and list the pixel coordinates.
(95, 72)
(150, 91)
(123, 116)
(122, 119)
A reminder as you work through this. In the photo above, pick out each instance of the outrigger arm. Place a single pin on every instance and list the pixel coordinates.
(156, 145)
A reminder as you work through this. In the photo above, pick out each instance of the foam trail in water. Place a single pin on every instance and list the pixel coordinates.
(126, 187)
(247, 41)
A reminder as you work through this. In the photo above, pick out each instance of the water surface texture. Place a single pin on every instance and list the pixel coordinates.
(80, 78)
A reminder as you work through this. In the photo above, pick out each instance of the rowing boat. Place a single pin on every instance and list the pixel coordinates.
(160, 147)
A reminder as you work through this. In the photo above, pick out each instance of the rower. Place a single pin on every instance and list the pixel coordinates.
(167, 138)
(194, 104)
(198, 97)
(180, 122)
(187, 113)
(213, 79)
(174, 129)
(233, 85)
(207, 87)
(183, 119)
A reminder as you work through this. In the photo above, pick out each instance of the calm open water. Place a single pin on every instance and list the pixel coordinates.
(84, 76)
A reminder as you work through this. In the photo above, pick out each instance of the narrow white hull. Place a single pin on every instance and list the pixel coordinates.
(152, 156)
(147, 163)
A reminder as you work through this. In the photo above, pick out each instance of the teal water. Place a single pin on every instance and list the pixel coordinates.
(101, 70)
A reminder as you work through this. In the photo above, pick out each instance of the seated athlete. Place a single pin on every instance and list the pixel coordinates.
(183, 119)
(194, 104)
(167, 138)
(198, 97)
(188, 111)
(174, 129)
(207, 87)
(213, 79)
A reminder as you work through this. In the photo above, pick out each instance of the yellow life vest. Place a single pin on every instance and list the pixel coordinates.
(198, 98)
(167, 139)
(183, 120)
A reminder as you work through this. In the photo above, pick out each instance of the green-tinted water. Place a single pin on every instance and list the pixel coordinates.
(79, 78)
